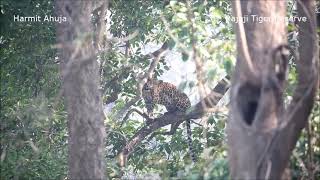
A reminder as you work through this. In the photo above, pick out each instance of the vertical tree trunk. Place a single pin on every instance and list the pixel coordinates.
(80, 75)
(261, 132)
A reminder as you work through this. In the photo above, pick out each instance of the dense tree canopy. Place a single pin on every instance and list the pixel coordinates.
(191, 44)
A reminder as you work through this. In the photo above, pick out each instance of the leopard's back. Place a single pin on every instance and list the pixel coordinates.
(164, 93)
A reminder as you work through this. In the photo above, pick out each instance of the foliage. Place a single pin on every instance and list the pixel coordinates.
(168, 156)
(33, 120)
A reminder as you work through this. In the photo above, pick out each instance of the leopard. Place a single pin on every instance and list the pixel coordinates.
(164, 93)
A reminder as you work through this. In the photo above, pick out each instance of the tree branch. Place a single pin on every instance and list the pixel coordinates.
(141, 80)
(296, 116)
(173, 130)
(144, 115)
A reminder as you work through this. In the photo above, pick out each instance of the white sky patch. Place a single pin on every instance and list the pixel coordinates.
(179, 70)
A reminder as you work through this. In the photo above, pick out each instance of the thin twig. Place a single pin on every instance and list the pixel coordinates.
(144, 115)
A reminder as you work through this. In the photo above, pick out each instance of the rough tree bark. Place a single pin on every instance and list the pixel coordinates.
(261, 132)
(80, 76)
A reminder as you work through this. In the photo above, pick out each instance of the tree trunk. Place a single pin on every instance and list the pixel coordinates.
(261, 131)
(80, 75)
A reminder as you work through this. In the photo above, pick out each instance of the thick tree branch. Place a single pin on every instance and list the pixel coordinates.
(201, 108)
(307, 66)
(296, 116)
(173, 130)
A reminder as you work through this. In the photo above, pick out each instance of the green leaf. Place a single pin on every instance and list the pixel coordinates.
(227, 65)
(185, 56)
(212, 73)
(171, 44)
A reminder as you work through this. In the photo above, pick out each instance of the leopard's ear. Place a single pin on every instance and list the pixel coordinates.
(153, 76)
(149, 79)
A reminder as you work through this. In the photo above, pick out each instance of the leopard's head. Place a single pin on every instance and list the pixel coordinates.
(149, 85)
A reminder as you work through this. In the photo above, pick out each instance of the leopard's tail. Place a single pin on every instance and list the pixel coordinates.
(189, 139)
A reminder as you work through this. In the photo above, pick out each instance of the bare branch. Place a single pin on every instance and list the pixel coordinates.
(144, 115)
(242, 37)
(156, 55)
(196, 123)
